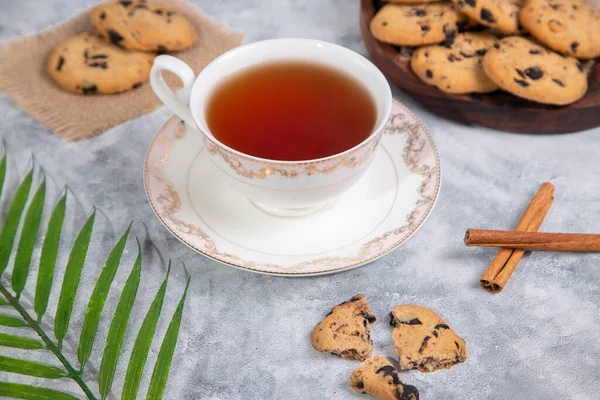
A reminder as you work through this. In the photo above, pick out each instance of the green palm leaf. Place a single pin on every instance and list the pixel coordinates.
(165, 355)
(19, 342)
(2, 171)
(7, 320)
(27, 392)
(30, 221)
(9, 231)
(139, 354)
(29, 232)
(97, 300)
(118, 324)
(48, 257)
(71, 279)
(31, 368)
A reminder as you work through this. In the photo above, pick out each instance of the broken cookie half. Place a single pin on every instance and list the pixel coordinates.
(345, 331)
(378, 378)
(424, 341)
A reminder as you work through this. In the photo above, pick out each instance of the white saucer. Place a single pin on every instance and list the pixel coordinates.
(385, 208)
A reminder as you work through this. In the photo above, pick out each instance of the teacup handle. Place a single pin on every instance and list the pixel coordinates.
(164, 92)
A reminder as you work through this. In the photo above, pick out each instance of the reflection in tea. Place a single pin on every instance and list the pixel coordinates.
(290, 110)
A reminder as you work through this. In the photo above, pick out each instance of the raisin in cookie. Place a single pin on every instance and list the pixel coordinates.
(457, 68)
(416, 25)
(345, 331)
(143, 26)
(379, 378)
(89, 64)
(570, 27)
(423, 340)
(502, 15)
(529, 70)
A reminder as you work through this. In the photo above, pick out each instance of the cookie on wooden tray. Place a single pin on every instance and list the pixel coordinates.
(456, 67)
(143, 26)
(345, 331)
(570, 27)
(529, 70)
(378, 378)
(89, 64)
(417, 24)
(502, 15)
(423, 340)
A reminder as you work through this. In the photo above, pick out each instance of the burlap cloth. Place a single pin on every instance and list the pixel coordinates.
(24, 79)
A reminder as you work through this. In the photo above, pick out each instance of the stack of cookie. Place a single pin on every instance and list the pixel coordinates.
(422, 339)
(530, 48)
(118, 56)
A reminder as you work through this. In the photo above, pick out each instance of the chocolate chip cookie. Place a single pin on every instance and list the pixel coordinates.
(143, 26)
(423, 340)
(502, 15)
(416, 25)
(89, 64)
(570, 27)
(379, 378)
(529, 70)
(457, 66)
(345, 331)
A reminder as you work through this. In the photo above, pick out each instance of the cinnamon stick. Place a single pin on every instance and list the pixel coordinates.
(504, 264)
(579, 242)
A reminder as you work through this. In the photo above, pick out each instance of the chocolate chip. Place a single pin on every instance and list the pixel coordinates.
(409, 392)
(429, 74)
(434, 333)
(461, 26)
(558, 82)
(579, 66)
(114, 36)
(452, 58)
(481, 52)
(487, 16)
(426, 54)
(496, 46)
(420, 13)
(425, 28)
(574, 46)
(555, 6)
(141, 6)
(424, 344)
(388, 370)
(534, 51)
(472, 3)
(98, 56)
(465, 55)
(360, 385)
(457, 345)
(521, 82)
(384, 23)
(103, 65)
(161, 49)
(90, 89)
(450, 34)
(125, 3)
(534, 73)
(102, 15)
(520, 72)
(61, 62)
(574, 7)
(169, 13)
(159, 12)
(441, 326)
(86, 54)
(370, 318)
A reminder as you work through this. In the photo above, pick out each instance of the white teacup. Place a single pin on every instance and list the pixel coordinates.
(284, 188)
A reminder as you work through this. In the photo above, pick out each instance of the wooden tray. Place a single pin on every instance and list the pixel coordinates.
(498, 110)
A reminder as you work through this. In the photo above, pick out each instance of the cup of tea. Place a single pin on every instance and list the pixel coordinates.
(290, 123)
